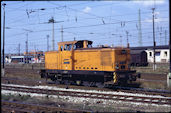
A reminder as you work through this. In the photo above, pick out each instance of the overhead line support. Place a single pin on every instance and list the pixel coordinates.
(3, 50)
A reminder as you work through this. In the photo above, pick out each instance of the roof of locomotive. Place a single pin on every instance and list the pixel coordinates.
(90, 42)
(117, 48)
(73, 42)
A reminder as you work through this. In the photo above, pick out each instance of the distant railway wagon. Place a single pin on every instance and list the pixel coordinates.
(21, 59)
(79, 63)
(138, 58)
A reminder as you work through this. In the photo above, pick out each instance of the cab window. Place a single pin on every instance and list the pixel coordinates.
(61, 48)
(78, 45)
(68, 47)
(89, 46)
(74, 47)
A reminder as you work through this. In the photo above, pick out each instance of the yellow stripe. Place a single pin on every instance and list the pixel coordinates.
(115, 77)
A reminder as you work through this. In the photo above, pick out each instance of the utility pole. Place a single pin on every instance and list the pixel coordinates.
(74, 38)
(35, 48)
(169, 74)
(62, 33)
(47, 42)
(53, 39)
(154, 59)
(139, 29)
(35, 53)
(3, 50)
(19, 49)
(160, 35)
(165, 37)
(27, 43)
(27, 49)
(127, 39)
(160, 38)
(121, 40)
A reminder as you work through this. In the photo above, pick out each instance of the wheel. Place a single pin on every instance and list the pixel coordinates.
(66, 82)
(57, 82)
(92, 84)
(100, 85)
(85, 83)
(53, 79)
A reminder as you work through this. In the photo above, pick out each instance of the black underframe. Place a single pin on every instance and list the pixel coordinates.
(91, 76)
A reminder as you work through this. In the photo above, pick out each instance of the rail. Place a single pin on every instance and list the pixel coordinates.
(115, 97)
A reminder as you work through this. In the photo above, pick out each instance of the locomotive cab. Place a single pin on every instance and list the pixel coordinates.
(73, 45)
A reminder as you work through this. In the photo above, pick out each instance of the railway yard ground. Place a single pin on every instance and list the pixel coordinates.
(149, 79)
(28, 76)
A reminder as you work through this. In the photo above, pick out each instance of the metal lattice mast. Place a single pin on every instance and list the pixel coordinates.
(62, 33)
(139, 29)
(19, 49)
(154, 59)
(47, 42)
(3, 49)
(165, 37)
(127, 39)
(53, 39)
(27, 48)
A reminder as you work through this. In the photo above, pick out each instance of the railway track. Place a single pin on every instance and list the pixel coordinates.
(22, 70)
(20, 107)
(22, 81)
(161, 92)
(83, 94)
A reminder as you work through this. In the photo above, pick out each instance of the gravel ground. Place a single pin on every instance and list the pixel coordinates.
(98, 105)
(90, 104)
(152, 76)
(154, 81)
(88, 91)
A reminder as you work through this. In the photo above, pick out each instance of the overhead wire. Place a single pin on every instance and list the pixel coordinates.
(17, 9)
(76, 10)
(71, 27)
(82, 26)
(70, 19)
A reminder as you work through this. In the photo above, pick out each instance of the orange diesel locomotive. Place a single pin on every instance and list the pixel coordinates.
(78, 62)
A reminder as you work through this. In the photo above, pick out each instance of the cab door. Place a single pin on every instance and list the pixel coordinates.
(67, 57)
